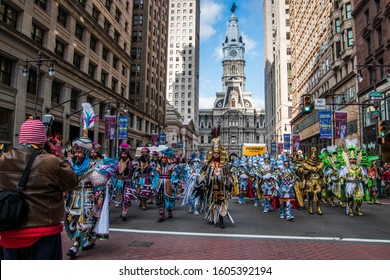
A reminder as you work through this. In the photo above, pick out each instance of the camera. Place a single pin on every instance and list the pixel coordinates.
(48, 122)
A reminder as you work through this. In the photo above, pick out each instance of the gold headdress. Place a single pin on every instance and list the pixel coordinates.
(217, 147)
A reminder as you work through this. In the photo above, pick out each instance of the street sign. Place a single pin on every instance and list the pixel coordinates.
(375, 113)
(376, 95)
(320, 104)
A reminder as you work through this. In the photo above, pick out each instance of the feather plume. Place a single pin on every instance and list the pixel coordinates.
(89, 116)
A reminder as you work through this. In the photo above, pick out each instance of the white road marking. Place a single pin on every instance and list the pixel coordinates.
(250, 236)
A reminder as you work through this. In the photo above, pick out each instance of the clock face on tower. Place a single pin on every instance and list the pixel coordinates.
(233, 53)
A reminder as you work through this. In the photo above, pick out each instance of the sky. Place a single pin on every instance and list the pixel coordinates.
(214, 19)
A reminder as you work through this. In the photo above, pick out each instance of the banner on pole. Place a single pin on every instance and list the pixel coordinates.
(110, 127)
(273, 148)
(123, 125)
(341, 124)
(295, 141)
(286, 141)
(280, 148)
(325, 121)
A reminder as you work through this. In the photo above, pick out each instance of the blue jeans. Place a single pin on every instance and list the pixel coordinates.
(46, 248)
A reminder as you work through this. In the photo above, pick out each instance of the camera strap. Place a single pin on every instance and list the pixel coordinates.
(26, 171)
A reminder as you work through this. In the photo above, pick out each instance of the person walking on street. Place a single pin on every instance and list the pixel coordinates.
(39, 236)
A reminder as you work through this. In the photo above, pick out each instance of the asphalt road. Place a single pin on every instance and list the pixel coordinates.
(250, 220)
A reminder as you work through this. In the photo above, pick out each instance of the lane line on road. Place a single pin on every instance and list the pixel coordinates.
(287, 237)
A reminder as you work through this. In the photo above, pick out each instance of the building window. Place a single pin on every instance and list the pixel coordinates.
(79, 31)
(118, 14)
(93, 43)
(349, 37)
(380, 36)
(8, 15)
(82, 2)
(32, 82)
(73, 98)
(95, 13)
(103, 78)
(123, 70)
(337, 25)
(115, 60)
(107, 25)
(135, 88)
(348, 11)
(139, 123)
(62, 16)
(136, 53)
(378, 6)
(37, 34)
(5, 70)
(136, 36)
(137, 20)
(77, 59)
(369, 48)
(55, 92)
(60, 49)
(41, 4)
(114, 84)
(105, 54)
(91, 70)
(135, 71)
(138, 4)
(116, 36)
(108, 4)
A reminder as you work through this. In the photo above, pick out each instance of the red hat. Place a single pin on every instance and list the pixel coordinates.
(32, 132)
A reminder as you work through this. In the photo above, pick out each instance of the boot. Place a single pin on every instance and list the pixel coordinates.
(221, 224)
(196, 211)
(289, 215)
(143, 202)
(282, 214)
(162, 215)
(359, 209)
(170, 213)
(319, 212)
(342, 205)
(311, 207)
(376, 200)
(241, 199)
(350, 206)
(331, 201)
(265, 206)
(256, 204)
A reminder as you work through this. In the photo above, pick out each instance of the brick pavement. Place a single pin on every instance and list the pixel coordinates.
(131, 246)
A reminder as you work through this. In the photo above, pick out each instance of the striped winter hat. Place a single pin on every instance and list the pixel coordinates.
(32, 132)
(82, 144)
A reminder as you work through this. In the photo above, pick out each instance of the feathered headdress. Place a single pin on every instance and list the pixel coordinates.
(89, 116)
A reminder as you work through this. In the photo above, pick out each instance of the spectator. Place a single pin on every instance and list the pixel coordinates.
(39, 237)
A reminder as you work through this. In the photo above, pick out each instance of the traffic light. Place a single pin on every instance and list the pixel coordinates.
(306, 108)
(382, 128)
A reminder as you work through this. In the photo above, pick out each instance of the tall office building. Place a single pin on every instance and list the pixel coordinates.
(277, 70)
(183, 58)
(323, 65)
(149, 55)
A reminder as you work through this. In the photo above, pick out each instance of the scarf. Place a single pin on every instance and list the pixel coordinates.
(80, 169)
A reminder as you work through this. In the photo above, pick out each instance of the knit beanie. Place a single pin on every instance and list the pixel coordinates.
(32, 132)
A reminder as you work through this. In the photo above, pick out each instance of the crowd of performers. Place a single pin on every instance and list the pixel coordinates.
(205, 182)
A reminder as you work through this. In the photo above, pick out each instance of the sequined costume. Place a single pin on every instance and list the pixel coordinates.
(285, 188)
(314, 182)
(216, 184)
(86, 208)
(353, 175)
(267, 183)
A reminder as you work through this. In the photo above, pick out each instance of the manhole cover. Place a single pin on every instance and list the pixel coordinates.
(140, 244)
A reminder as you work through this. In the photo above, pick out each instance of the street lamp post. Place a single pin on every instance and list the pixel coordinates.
(125, 110)
(38, 62)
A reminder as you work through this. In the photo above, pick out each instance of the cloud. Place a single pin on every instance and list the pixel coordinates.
(206, 102)
(209, 16)
(250, 45)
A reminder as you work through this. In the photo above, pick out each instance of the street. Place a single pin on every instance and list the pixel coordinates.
(254, 235)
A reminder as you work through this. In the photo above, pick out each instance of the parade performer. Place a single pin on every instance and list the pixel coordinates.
(301, 172)
(285, 188)
(268, 182)
(216, 184)
(368, 162)
(165, 193)
(86, 208)
(189, 198)
(123, 185)
(144, 180)
(331, 175)
(353, 174)
(314, 182)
